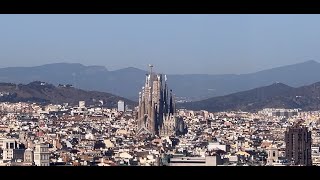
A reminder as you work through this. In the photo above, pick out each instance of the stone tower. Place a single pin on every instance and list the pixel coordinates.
(156, 111)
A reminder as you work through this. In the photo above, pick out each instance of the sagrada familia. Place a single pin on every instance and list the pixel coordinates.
(156, 112)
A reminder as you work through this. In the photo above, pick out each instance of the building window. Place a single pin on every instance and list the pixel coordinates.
(274, 154)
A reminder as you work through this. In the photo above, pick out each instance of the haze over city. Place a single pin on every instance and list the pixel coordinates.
(90, 90)
(175, 44)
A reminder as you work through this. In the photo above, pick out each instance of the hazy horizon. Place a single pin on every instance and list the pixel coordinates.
(174, 44)
(156, 70)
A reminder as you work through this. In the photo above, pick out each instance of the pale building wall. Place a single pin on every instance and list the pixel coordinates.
(41, 155)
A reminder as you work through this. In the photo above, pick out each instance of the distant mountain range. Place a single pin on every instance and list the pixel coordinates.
(128, 82)
(277, 95)
(44, 93)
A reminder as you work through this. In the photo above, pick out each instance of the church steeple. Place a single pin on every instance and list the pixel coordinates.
(151, 76)
(156, 106)
(171, 103)
(150, 66)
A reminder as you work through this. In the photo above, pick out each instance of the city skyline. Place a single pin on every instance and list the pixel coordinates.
(221, 90)
(95, 132)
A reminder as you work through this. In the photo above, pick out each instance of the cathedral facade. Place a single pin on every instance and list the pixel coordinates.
(156, 111)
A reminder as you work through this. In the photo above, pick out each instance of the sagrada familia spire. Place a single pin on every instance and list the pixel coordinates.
(156, 111)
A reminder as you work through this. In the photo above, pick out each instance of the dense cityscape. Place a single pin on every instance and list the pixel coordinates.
(155, 133)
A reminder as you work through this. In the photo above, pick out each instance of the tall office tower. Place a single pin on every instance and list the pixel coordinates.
(41, 155)
(121, 106)
(156, 111)
(298, 145)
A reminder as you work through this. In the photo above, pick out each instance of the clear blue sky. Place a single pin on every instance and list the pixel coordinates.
(175, 44)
